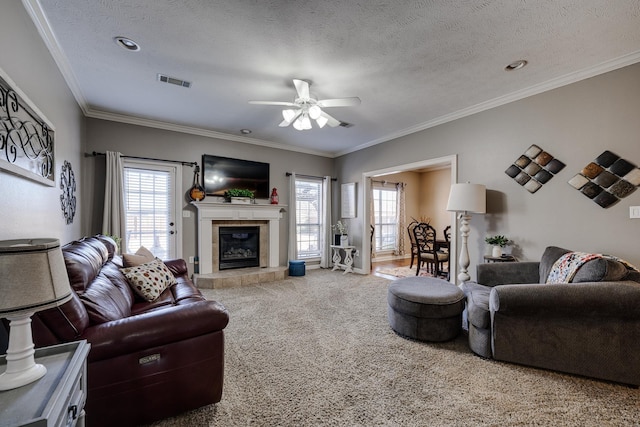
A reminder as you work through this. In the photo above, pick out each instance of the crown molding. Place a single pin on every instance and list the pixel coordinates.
(602, 68)
(34, 9)
(123, 118)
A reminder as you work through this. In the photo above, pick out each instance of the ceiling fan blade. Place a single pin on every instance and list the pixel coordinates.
(281, 103)
(339, 102)
(331, 121)
(285, 122)
(302, 88)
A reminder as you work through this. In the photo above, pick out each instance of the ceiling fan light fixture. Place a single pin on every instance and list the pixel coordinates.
(288, 115)
(297, 125)
(306, 123)
(315, 112)
(321, 121)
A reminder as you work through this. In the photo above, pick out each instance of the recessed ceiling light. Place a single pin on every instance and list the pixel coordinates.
(126, 43)
(516, 65)
(245, 131)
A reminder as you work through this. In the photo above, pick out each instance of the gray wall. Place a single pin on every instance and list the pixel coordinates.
(575, 123)
(133, 140)
(29, 209)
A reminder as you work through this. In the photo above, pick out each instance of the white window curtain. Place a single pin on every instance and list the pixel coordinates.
(327, 233)
(402, 219)
(113, 218)
(293, 230)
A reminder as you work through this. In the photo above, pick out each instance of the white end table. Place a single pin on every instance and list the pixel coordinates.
(55, 400)
(347, 263)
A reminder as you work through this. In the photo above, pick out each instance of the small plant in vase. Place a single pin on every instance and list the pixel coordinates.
(239, 195)
(341, 237)
(498, 242)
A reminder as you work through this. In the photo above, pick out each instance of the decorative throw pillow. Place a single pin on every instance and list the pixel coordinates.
(150, 279)
(142, 255)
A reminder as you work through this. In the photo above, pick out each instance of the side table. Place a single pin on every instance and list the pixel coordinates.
(55, 400)
(347, 263)
(503, 258)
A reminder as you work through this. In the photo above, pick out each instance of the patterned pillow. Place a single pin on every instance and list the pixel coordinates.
(141, 256)
(150, 279)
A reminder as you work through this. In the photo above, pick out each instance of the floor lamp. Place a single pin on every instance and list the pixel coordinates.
(33, 277)
(466, 198)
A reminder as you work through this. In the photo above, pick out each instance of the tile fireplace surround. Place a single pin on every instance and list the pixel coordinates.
(212, 215)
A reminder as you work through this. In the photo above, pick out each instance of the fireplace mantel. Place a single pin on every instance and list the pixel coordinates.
(214, 211)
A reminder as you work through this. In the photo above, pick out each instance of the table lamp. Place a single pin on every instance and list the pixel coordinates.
(466, 198)
(33, 277)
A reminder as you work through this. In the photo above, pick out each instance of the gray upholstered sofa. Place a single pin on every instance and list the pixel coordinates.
(589, 326)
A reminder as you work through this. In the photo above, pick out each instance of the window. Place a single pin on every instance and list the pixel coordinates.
(150, 208)
(308, 217)
(386, 218)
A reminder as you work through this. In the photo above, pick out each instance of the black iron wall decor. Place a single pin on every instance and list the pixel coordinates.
(26, 136)
(68, 196)
(607, 179)
(534, 168)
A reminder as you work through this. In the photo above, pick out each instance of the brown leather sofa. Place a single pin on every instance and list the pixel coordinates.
(148, 360)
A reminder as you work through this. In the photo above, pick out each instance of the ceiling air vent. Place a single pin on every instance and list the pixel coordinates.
(346, 125)
(173, 81)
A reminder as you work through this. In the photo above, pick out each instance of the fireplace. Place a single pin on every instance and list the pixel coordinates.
(239, 247)
(212, 215)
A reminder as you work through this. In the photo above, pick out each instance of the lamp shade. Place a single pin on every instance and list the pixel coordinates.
(33, 276)
(467, 197)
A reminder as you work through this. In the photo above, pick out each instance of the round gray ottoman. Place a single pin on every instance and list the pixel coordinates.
(425, 308)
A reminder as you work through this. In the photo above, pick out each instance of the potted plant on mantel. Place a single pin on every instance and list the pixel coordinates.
(340, 238)
(498, 242)
(239, 195)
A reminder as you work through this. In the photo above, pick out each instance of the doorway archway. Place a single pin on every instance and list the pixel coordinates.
(421, 166)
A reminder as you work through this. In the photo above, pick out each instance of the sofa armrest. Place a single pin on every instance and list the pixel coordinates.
(177, 266)
(588, 299)
(500, 273)
(155, 328)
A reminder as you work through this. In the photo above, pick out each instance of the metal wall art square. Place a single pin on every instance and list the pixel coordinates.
(607, 179)
(534, 168)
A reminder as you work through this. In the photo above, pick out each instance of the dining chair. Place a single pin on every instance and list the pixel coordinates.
(412, 239)
(427, 251)
(445, 249)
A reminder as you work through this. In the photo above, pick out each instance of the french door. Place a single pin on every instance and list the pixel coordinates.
(152, 206)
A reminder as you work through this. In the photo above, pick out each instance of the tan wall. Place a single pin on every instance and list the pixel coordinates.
(433, 200)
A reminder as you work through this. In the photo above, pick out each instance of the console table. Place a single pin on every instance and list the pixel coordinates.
(347, 263)
(55, 400)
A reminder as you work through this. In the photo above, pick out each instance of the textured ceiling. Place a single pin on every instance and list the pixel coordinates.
(413, 63)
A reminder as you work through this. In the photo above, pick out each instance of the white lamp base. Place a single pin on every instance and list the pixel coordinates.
(464, 261)
(22, 368)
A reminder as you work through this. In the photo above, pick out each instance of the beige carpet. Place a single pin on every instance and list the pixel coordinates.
(317, 351)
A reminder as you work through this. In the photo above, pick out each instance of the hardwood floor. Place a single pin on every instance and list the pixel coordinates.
(377, 266)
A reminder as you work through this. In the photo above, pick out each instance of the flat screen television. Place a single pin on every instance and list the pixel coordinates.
(220, 174)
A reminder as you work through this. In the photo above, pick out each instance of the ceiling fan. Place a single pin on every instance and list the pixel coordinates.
(304, 108)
